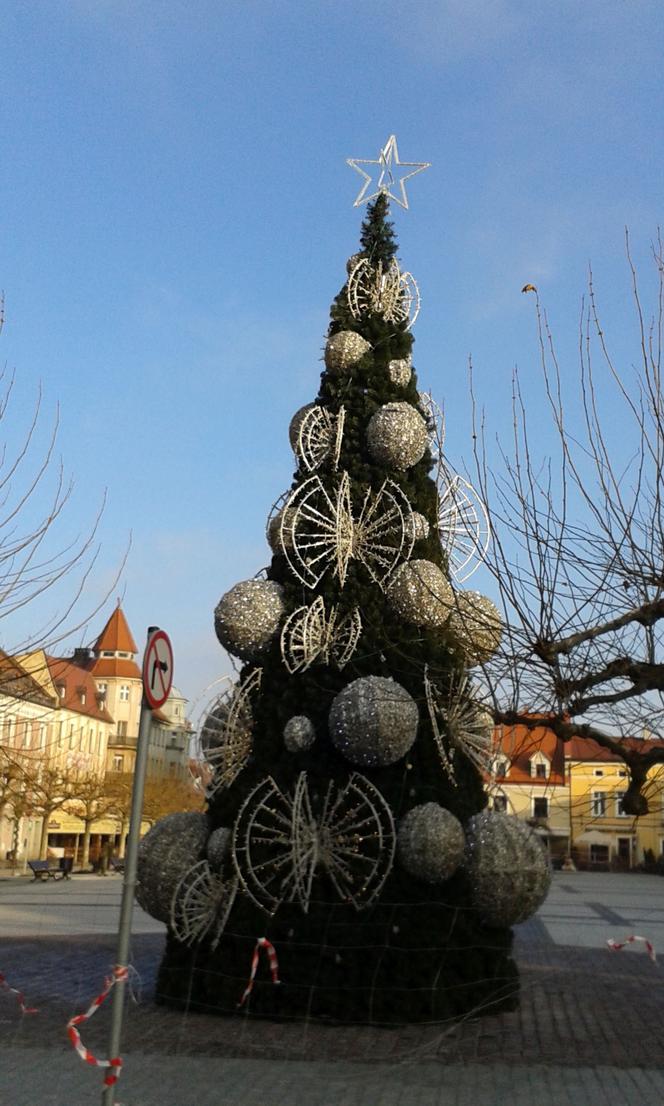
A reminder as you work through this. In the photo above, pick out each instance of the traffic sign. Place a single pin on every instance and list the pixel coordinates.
(157, 668)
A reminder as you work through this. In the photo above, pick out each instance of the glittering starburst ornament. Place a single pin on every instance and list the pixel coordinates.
(387, 292)
(386, 176)
(279, 843)
(318, 530)
(311, 634)
(201, 904)
(319, 437)
(459, 724)
(226, 734)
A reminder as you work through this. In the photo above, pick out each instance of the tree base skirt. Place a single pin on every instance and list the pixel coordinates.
(397, 977)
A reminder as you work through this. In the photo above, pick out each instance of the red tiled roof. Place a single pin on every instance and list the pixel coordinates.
(520, 743)
(114, 666)
(583, 748)
(116, 636)
(76, 680)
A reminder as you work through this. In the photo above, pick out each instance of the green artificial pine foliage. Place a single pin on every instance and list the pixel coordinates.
(418, 951)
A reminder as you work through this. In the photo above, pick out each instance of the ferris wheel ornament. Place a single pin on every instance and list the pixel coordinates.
(463, 523)
(383, 177)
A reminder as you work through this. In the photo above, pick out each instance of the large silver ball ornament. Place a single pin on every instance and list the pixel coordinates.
(218, 844)
(247, 617)
(508, 870)
(397, 436)
(431, 843)
(476, 624)
(373, 721)
(169, 849)
(420, 593)
(400, 371)
(299, 734)
(296, 424)
(345, 349)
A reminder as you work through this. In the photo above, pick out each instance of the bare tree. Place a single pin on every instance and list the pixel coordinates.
(92, 801)
(578, 545)
(48, 787)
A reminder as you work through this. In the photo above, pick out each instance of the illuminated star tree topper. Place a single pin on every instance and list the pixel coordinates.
(385, 177)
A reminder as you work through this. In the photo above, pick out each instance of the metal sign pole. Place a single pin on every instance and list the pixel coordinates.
(129, 885)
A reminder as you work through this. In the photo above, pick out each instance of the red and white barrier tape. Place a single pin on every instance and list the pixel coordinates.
(20, 998)
(115, 1064)
(262, 943)
(616, 945)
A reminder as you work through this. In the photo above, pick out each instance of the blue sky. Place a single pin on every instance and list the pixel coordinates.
(177, 212)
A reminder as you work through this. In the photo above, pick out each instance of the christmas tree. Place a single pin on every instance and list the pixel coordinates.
(346, 823)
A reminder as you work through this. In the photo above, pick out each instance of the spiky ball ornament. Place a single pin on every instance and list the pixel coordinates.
(247, 617)
(373, 721)
(296, 423)
(431, 843)
(507, 867)
(344, 349)
(397, 436)
(420, 593)
(420, 525)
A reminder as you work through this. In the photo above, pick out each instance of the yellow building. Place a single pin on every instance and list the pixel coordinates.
(571, 795)
(602, 835)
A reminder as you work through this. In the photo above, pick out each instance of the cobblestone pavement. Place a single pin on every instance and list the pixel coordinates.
(588, 1029)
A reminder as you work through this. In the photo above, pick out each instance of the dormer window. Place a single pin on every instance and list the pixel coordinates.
(501, 767)
(62, 690)
(81, 695)
(539, 767)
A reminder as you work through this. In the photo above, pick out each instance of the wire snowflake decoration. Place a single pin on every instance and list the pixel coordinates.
(279, 843)
(310, 634)
(463, 524)
(383, 291)
(319, 437)
(318, 531)
(460, 724)
(201, 904)
(225, 736)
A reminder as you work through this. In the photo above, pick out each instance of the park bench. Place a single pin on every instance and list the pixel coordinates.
(45, 869)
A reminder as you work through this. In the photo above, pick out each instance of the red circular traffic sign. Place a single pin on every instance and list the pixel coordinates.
(158, 668)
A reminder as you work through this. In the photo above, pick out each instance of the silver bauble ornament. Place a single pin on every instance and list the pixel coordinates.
(296, 423)
(373, 721)
(345, 349)
(475, 622)
(218, 844)
(397, 436)
(420, 526)
(299, 734)
(400, 371)
(169, 849)
(420, 593)
(508, 870)
(247, 617)
(431, 843)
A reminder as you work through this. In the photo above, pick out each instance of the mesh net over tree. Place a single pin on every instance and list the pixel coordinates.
(346, 819)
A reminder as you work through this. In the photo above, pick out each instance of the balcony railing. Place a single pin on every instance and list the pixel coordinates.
(126, 742)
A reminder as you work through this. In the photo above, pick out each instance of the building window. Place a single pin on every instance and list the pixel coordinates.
(598, 804)
(599, 854)
(598, 771)
(540, 808)
(539, 767)
(122, 729)
(620, 813)
(108, 653)
(124, 693)
(500, 803)
(622, 773)
(61, 690)
(102, 689)
(118, 762)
